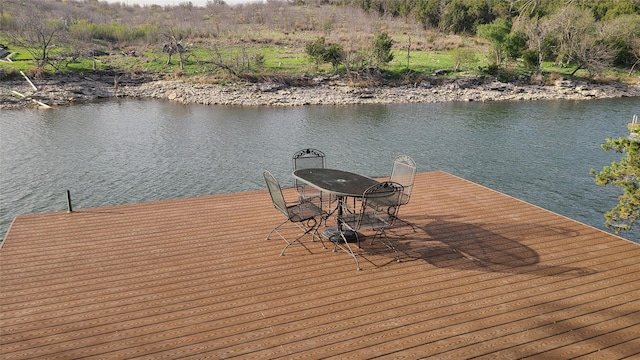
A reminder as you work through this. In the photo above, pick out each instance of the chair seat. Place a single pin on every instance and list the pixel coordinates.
(389, 202)
(304, 211)
(365, 221)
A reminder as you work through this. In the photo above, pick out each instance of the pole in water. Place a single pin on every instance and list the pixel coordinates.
(69, 208)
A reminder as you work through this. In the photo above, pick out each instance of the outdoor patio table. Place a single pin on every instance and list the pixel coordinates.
(340, 183)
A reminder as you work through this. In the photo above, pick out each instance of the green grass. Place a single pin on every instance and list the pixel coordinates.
(21, 61)
(287, 60)
(422, 61)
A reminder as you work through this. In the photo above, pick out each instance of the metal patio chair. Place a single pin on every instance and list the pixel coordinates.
(404, 172)
(378, 211)
(304, 214)
(305, 159)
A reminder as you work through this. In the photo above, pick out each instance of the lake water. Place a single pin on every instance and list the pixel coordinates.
(132, 151)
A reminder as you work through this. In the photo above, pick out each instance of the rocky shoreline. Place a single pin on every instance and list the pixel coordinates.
(322, 91)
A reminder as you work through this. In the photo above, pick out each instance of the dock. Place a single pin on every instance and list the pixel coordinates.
(483, 275)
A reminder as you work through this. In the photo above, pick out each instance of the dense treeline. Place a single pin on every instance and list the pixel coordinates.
(464, 16)
(584, 34)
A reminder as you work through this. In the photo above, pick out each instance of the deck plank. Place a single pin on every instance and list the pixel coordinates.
(483, 275)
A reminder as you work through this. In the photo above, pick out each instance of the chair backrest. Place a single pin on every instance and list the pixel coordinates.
(276, 193)
(380, 205)
(305, 159)
(404, 173)
(308, 158)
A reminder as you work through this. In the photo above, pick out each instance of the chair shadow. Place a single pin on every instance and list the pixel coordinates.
(465, 246)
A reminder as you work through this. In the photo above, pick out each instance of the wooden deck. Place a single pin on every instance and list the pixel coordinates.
(485, 276)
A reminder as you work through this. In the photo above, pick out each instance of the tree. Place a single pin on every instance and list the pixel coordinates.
(497, 33)
(537, 32)
(592, 55)
(580, 40)
(532, 8)
(456, 17)
(38, 34)
(3, 20)
(315, 50)
(174, 47)
(481, 12)
(320, 52)
(625, 174)
(515, 44)
(382, 44)
(463, 55)
(623, 33)
(429, 13)
(635, 50)
(334, 54)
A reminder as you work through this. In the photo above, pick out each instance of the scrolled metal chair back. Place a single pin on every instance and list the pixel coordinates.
(307, 159)
(383, 202)
(404, 173)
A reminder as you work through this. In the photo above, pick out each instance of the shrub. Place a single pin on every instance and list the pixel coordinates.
(530, 59)
(382, 44)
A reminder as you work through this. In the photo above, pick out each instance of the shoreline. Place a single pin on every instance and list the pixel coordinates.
(65, 91)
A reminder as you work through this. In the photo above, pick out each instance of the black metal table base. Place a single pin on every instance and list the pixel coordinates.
(333, 234)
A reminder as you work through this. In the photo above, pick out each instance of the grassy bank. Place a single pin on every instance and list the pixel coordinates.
(272, 61)
(261, 42)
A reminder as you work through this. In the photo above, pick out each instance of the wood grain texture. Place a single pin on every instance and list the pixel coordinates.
(483, 275)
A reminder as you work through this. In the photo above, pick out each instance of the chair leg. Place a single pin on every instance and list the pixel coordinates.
(293, 242)
(384, 239)
(311, 227)
(276, 229)
(316, 234)
(346, 248)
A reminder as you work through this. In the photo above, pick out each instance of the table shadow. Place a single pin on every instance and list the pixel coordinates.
(466, 246)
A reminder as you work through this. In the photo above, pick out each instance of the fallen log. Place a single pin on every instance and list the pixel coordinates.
(29, 81)
(32, 99)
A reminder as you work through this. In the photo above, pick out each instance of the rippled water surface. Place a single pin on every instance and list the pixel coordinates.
(133, 151)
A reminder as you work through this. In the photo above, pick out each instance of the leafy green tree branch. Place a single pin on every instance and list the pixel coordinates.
(624, 174)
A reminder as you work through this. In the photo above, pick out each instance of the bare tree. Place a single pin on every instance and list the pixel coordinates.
(174, 47)
(2, 19)
(526, 7)
(635, 50)
(237, 63)
(38, 34)
(624, 31)
(537, 31)
(591, 55)
(581, 40)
